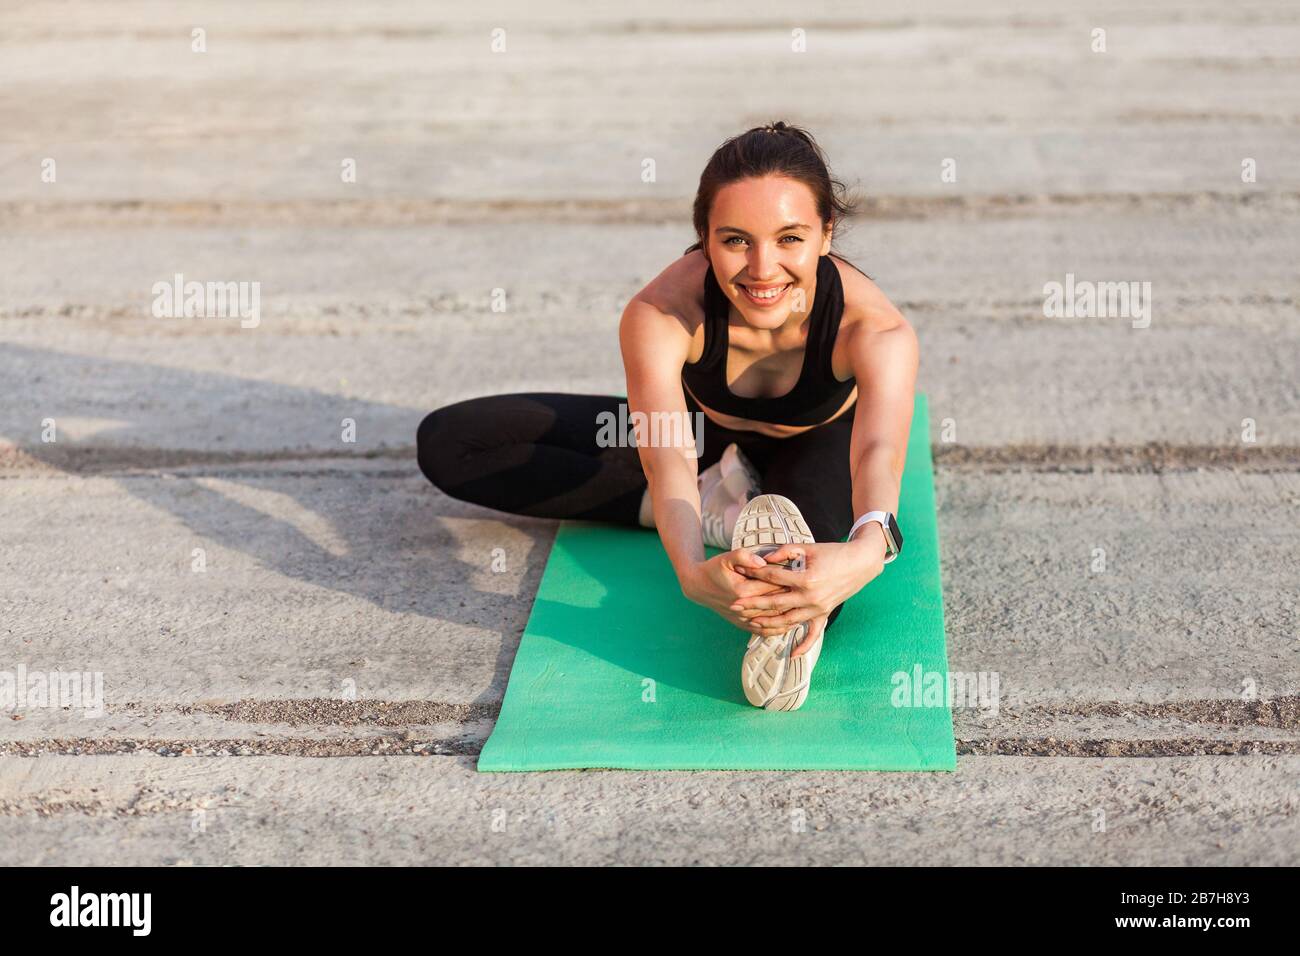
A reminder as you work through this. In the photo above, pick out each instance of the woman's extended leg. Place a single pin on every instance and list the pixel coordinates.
(541, 454)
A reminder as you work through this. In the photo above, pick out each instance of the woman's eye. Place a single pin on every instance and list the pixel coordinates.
(728, 242)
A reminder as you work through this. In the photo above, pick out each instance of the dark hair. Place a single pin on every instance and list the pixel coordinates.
(774, 149)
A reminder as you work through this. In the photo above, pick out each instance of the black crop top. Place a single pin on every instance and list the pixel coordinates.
(816, 396)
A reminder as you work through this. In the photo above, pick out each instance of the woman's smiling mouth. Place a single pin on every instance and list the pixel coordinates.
(767, 296)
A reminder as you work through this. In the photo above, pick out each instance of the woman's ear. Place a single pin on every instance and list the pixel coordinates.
(826, 241)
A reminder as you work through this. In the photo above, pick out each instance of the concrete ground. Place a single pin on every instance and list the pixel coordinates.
(304, 645)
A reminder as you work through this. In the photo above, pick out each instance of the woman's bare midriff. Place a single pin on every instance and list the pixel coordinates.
(765, 428)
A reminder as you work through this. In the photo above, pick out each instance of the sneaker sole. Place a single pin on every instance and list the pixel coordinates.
(769, 676)
(798, 678)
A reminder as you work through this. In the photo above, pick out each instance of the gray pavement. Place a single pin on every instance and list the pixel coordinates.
(993, 810)
(315, 688)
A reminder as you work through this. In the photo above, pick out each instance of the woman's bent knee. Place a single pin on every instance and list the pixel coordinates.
(437, 443)
(448, 436)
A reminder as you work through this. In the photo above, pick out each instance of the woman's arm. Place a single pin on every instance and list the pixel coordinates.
(655, 346)
(884, 355)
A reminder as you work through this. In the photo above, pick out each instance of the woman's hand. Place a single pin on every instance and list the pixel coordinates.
(719, 582)
(830, 574)
(815, 630)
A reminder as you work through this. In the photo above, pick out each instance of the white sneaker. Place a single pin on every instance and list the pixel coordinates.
(725, 487)
(770, 677)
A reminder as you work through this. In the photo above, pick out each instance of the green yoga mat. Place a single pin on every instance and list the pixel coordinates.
(616, 669)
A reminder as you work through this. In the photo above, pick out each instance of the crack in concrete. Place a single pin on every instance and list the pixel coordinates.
(399, 29)
(1277, 712)
(316, 711)
(1280, 712)
(147, 802)
(380, 211)
(1110, 747)
(356, 319)
(52, 460)
(387, 747)
(18, 461)
(539, 27)
(240, 747)
(1150, 458)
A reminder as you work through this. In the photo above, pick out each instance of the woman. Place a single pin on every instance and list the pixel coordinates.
(802, 374)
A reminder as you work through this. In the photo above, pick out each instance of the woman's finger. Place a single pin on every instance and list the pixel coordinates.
(750, 615)
(775, 574)
(768, 614)
(788, 619)
(815, 630)
(749, 588)
(755, 615)
(787, 553)
(751, 628)
(745, 558)
(783, 600)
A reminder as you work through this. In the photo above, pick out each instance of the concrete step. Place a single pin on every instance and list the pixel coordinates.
(147, 809)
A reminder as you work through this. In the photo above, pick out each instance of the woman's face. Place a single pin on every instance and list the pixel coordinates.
(766, 236)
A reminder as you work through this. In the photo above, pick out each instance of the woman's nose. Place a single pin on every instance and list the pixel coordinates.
(762, 264)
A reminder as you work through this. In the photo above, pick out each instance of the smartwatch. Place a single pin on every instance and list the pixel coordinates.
(893, 537)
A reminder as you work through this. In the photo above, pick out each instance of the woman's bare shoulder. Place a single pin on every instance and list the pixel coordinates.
(865, 305)
(871, 324)
(679, 289)
(678, 292)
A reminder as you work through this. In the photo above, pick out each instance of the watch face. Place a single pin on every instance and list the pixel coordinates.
(895, 534)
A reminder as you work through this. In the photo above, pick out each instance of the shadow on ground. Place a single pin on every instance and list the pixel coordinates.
(377, 535)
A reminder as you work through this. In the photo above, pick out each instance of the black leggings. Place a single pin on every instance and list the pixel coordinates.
(538, 454)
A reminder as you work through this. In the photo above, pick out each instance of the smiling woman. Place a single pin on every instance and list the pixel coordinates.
(768, 341)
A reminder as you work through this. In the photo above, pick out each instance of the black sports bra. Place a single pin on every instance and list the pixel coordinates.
(816, 396)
